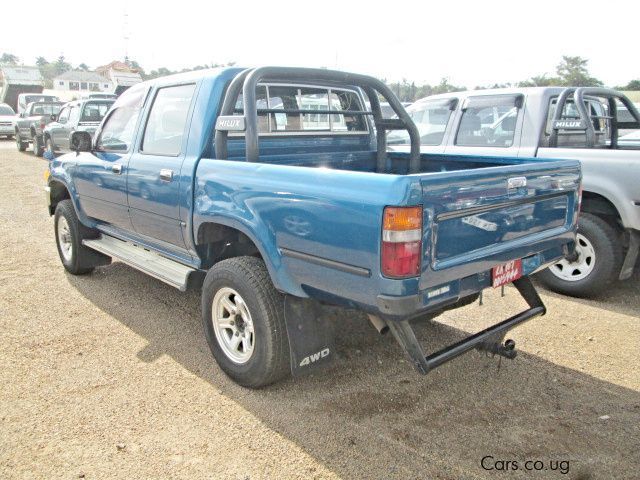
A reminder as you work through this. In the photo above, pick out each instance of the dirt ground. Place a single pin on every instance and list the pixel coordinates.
(109, 376)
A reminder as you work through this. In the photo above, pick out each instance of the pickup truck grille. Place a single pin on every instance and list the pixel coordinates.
(5, 124)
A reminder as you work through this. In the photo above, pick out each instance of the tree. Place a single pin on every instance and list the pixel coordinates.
(84, 67)
(540, 81)
(632, 85)
(572, 72)
(41, 61)
(9, 59)
(61, 65)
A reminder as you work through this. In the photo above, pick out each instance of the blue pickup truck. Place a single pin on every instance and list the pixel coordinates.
(272, 190)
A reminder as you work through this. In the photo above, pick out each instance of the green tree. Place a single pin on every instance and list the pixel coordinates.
(540, 81)
(572, 72)
(41, 61)
(632, 85)
(84, 67)
(9, 59)
(62, 65)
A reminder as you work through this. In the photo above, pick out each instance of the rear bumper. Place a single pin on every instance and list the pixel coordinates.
(402, 307)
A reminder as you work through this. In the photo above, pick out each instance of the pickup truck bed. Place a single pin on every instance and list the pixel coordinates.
(283, 221)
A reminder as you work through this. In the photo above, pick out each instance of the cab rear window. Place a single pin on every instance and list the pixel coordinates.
(489, 121)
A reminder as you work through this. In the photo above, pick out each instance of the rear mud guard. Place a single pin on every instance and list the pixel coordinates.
(488, 340)
(310, 333)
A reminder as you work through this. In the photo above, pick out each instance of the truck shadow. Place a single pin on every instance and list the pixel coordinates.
(621, 297)
(371, 416)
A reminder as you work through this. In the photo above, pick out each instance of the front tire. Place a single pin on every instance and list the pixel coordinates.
(22, 145)
(243, 318)
(597, 264)
(76, 258)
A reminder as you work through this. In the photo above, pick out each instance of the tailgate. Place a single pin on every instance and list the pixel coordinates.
(483, 217)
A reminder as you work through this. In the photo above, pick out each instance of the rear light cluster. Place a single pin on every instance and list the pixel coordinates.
(401, 241)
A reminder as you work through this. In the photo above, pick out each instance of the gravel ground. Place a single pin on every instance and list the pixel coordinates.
(109, 375)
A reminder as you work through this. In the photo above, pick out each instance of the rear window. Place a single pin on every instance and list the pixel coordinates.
(286, 109)
(45, 109)
(488, 121)
(94, 111)
(6, 110)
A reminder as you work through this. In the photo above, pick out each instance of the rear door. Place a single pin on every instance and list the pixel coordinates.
(154, 175)
(487, 125)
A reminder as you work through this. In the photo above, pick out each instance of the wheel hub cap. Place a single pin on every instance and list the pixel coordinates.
(580, 266)
(64, 238)
(233, 325)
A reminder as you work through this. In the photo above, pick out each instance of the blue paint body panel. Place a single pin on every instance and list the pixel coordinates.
(320, 196)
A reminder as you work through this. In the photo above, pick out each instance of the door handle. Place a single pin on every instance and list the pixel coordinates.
(117, 168)
(166, 175)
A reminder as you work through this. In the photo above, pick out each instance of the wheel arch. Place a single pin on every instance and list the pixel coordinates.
(221, 238)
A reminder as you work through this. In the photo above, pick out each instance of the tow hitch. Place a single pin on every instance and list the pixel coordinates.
(489, 340)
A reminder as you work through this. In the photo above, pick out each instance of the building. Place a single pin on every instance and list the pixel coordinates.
(15, 80)
(121, 75)
(81, 81)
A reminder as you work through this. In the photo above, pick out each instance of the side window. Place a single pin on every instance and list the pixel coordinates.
(166, 123)
(64, 115)
(489, 121)
(74, 115)
(431, 117)
(119, 129)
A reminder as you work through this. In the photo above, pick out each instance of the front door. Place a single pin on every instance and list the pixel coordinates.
(101, 175)
(57, 129)
(154, 177)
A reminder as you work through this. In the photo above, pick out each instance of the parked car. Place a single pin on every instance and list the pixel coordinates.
(228, 180)
(592, 129)
(30, 125)
(7, 117)
(25, 99)
(80, 115)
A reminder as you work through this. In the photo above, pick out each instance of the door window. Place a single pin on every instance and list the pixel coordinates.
(167, 120)
(74, 115)
(64, 115)
(489, 121)
(119, 129)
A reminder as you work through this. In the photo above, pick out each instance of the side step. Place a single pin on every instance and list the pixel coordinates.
(168, 271)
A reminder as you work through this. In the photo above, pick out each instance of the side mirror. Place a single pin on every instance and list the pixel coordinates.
(81, 142)
(54, 117)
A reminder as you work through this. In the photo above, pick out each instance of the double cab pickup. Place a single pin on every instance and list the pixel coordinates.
(272, 190)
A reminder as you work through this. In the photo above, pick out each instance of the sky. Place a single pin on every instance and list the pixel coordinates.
(470, 43)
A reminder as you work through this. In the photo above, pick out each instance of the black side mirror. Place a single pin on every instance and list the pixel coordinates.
(81, 142)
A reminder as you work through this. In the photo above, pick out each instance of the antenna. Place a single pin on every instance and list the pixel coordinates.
(125, 34)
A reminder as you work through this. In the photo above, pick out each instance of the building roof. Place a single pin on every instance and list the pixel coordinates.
(81, 76)
(21, 75)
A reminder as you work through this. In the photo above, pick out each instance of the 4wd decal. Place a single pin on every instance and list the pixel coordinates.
(314, 357)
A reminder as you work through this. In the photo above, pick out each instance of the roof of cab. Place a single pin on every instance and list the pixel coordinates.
(192, 76)
(529, 91)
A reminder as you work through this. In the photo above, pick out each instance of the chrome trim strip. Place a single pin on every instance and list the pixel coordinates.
(325, 262)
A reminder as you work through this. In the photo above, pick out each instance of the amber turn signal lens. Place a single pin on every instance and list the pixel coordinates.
(402, 218)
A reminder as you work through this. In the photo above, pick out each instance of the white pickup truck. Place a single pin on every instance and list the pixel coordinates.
(593, 125)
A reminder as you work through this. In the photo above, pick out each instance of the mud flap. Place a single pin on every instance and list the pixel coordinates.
(310, 334)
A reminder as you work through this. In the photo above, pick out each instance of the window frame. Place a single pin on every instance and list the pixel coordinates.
(148, 116)
(309, 133)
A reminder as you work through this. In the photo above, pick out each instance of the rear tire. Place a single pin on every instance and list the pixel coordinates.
(242, 285)
(598, 264)
(38, 147)
(76, 258)
(22, 145)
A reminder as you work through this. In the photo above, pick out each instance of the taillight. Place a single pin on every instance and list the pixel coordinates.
(401, 241)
